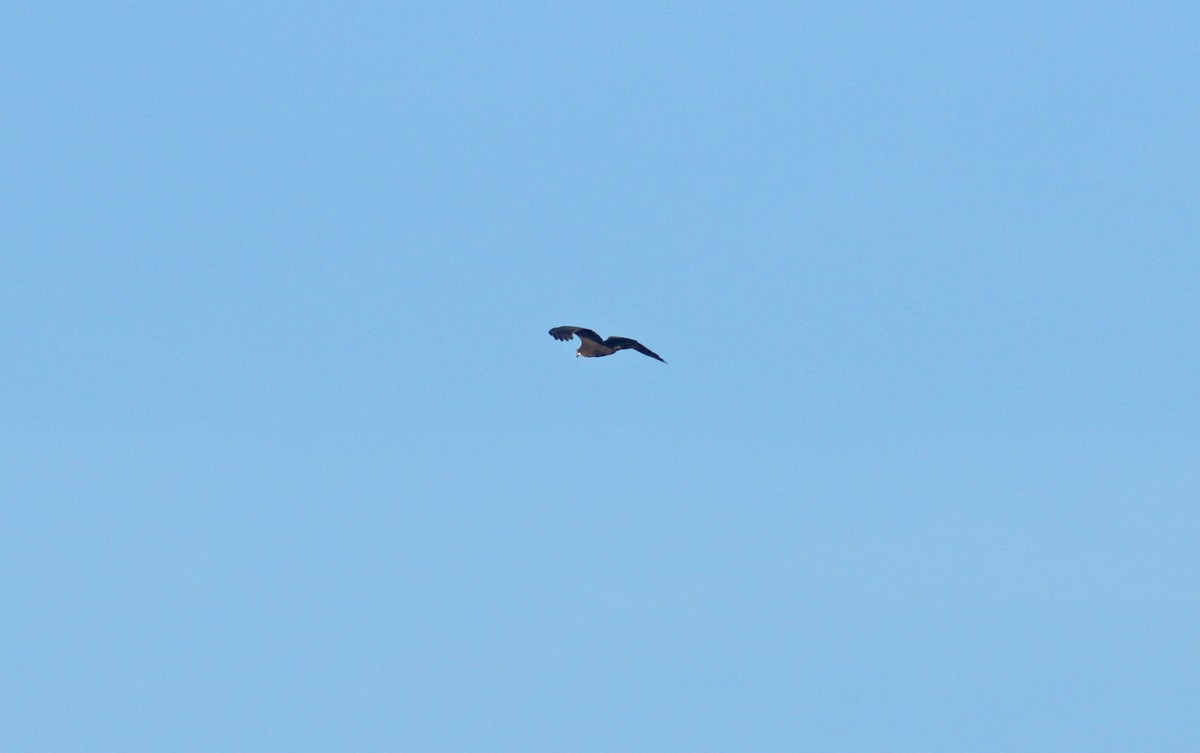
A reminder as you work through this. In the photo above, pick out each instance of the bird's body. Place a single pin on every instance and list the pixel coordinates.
(592, 345)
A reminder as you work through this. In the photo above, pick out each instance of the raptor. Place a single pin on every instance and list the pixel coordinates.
(592, 345)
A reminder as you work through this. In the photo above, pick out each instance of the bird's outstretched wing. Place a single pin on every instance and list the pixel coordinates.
(621, 343)
(566, 333)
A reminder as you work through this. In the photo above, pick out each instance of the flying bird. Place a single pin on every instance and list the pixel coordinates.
(592, 345)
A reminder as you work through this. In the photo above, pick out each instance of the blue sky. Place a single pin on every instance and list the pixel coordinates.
(289, 463)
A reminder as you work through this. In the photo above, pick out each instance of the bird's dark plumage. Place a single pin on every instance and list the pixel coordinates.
(592, 346)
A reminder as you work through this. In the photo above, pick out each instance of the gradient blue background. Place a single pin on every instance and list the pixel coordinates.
(289, 463)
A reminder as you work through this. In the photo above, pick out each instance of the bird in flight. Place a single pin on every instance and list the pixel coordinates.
(592, 346)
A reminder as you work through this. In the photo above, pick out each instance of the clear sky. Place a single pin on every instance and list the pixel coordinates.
(288, 461)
